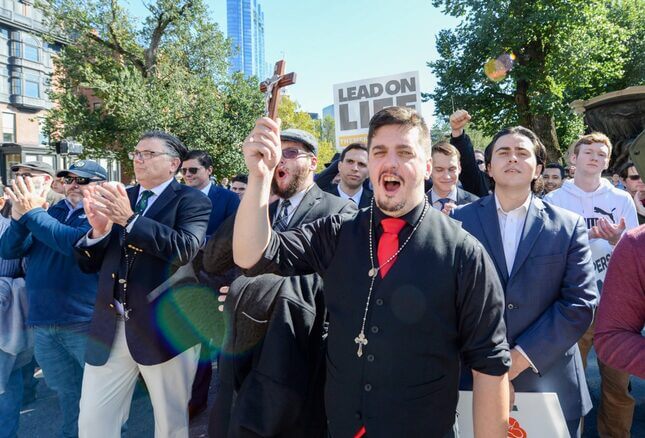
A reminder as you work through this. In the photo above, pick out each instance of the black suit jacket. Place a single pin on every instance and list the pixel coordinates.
(366, 196)
(163, 240)
(272, 377)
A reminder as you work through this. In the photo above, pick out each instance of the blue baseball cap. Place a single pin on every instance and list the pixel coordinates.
(87, 169)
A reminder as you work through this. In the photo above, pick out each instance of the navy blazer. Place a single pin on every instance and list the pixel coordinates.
(224, 203)
(164, 239)
(550, 295)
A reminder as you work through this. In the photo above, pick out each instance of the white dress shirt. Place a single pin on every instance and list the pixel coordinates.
(511, 226)
(356, 197)
(434, 197)
(207, 188)
(295, 201)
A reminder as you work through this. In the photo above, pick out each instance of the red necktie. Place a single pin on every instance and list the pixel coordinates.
(388, 244)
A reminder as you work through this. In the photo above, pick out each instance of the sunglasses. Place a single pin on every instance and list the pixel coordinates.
(80, 180)
(633, 177)
(191, 170)
(291, 153)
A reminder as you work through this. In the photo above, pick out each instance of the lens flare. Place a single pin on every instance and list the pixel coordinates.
(497, 69)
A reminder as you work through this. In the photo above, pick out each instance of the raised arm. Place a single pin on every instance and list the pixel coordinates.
(472, 179)
(262, 151)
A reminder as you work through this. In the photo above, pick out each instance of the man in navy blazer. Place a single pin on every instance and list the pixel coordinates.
(542, 256)
(445, 193)
(197, 169)
(141, 243)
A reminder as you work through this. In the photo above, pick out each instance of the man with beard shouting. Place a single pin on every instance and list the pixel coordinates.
(272, 362)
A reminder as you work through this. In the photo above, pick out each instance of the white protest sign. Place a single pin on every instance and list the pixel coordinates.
(356, 102)
(534, 415)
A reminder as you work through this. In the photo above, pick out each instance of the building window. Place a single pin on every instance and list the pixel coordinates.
(32, 89)
(31, 53)
(8, 127)
(15, 49)
(16, 86)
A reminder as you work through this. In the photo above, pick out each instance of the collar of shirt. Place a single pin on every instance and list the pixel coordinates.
(434, 197)
(411, 217)
(156, 192)
(521, 210)
(295, 201)
(72, 209)
(207, 188)
(356, 197)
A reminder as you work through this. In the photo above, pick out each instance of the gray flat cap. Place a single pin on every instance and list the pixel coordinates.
(300, 136)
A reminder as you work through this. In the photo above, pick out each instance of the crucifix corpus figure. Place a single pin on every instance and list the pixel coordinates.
(271, 88)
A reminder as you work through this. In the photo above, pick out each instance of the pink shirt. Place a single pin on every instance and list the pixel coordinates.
(621, 313)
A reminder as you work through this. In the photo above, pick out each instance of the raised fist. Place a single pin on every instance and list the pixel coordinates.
(262, 148)
(458, 120)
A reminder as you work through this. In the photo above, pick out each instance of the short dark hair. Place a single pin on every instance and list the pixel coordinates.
(360, 146)
(538, 147)
(624, 169)
(555, 166)
(202, 158)
(404, 117)
(240, 178)
(171, 142)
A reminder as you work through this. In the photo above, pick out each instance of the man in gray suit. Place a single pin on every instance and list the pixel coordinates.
(542, 256)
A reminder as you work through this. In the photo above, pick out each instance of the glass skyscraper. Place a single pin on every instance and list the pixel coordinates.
(245, 28)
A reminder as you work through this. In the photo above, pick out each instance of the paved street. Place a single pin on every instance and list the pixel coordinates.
(41, 419)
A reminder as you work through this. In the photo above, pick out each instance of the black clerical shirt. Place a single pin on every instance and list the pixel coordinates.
(441, 300)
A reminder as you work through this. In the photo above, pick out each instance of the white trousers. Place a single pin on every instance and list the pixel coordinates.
(107, 392)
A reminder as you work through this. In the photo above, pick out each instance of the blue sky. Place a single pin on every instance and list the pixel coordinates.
(335, 41)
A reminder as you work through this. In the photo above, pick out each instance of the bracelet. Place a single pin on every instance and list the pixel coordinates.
(130, 219)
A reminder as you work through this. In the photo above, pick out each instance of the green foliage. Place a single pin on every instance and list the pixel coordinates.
(169, 74)
(292, 116)
(565, 49)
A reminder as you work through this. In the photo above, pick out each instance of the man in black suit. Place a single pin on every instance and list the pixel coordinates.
(445, 195)
(352, 169)
(394, 344)
(280, 372)
(141, 242)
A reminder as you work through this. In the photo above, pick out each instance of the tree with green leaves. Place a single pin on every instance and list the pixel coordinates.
(169, 74)
(292, 116)
(563, 50)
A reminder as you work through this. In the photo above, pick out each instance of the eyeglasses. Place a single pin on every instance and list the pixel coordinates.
(291, 153)
(479, 162)
(146, 155)
(191, 170)
(634, 177)
(80, 180)
(24, 174)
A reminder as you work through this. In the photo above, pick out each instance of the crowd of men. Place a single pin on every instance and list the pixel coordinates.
(357, 301)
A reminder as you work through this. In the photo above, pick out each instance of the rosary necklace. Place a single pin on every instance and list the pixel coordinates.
(361, 340)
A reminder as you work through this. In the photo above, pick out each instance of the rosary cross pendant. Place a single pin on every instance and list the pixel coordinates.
(360, 340)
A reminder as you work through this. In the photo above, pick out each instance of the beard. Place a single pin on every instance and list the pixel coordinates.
(388, 205)
(293, 187)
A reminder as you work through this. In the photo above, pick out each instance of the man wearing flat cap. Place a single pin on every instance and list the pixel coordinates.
(141, 243)
(278, 324)
(61, 297)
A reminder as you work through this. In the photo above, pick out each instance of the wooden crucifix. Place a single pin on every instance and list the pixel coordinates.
(271, 88)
